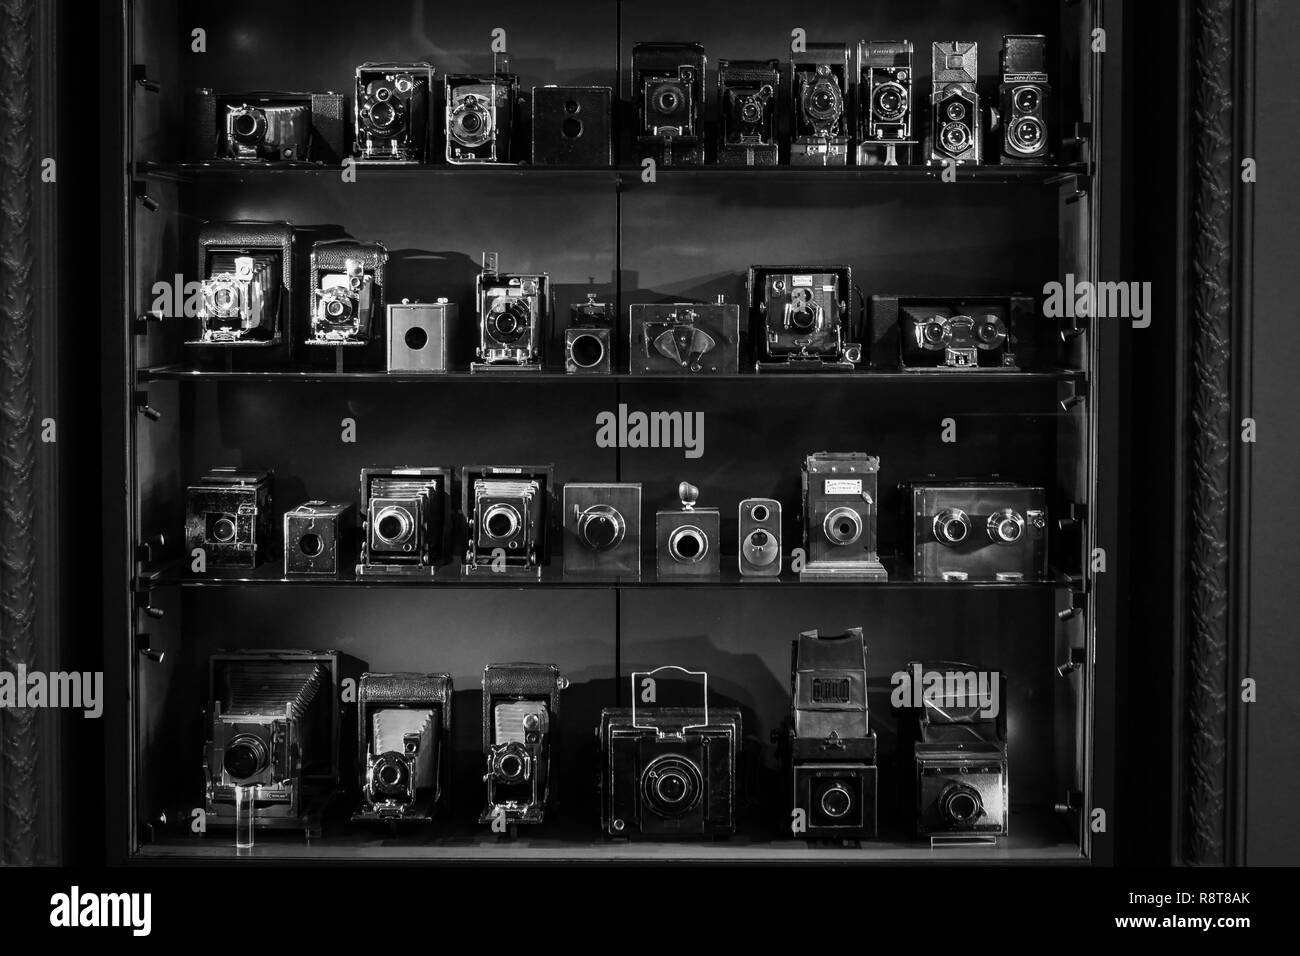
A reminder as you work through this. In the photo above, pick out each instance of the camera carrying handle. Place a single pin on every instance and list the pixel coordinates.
(659, 731)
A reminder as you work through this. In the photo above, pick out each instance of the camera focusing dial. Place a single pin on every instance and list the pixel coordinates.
(951, 526)
(671, 785)
(246, 756)
(960, 804)
(843, 526)
(1006, 526)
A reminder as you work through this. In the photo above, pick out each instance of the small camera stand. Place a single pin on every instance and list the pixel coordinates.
(882, 153)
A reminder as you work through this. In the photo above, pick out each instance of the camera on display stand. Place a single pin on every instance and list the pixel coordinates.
(247, 283)
(819, 89)
(347, 283)
(403, 736)
(521, 709)
(977, 531)
(228, 517)
(966, 334)
(602, 529)
(688, 540)
(885, 83)
(668, 89)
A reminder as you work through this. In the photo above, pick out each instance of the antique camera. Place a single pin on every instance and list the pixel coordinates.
(228, 516)
(669, 772)
(961, 763)
(688, 541)
(1024, 102)
(419, 335)
(602, 529)
(801, 318)
(589, 339)
(839, 517)
(318, 538)
(819, 87)
(668, 89)
(831, 749)
(403, 743)
(274, 729)
(246, 289)
(968, 334)
(747, 95)
(955, 123)
(521, 709)
(573, 126)
(684, 338)
(347, 282)
(406, 521)
(512, 319)
(393, 109)
(508, 510)
(977, 531)
(759, 529)
(265, 127)
(481, 118)
(885, 83)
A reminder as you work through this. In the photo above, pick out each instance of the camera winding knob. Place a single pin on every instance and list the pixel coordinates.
(688, 494)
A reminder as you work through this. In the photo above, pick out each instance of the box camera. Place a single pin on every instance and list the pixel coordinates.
(274, 729)
(747, 97)
(759, 529)
(968, 334)
(247, 284)
(403, 745)
(956, 128)
(589, 339)
(419, 335)
(228, 516)
(885, 83)
(393, 112)
(839, 517)
(512, 317)
(265, 127)
(1024, 102)
(481, 118)
(977, 531)
(318, 538)
(801, 318)
(521, 709)
(688, 541)
(669, 772)
(819, 87)
(347, 283)
(684, 338)
(406, 521)
(668, 89)
(508, 509)
(602, 529)
(831, 748)
(573, 126)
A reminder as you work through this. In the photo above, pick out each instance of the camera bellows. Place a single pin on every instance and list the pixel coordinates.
(268, 687)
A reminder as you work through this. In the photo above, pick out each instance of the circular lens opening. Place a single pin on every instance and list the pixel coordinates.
(1027, 100)
(224, 299)
(246, 756)
(935, 332)
(1027, 134)
(759, 539)
(501, 521)
(1006, 527)
(843, 526)
(956, 137)
(245, 124)
(961, 804)
(394, 525)
(571, 106)
(311, 544)
(951, 526)
(471, 122)
(587, 350)
(416, 339)
(511, 767)
(759, 513)
(667, 101)
(571, 128)
(389, 775)
(601, 529)
(890, 102)
(223, 529)
(383, 114)
(671, 785)
(836, 801)
(687, 545)
(956, 111)
(335, 308)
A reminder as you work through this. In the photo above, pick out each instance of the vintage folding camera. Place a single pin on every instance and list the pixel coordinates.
(956, 127)
(508, 510)
(977, 531)
(839, 517)
(318, 538)
(589, 339)
(831, 749)
(759, 530)
(1024, 102)
(247, 284)
(521, 710)
(967, 334)
(512, 319)
(819, 89)
(668, 89)
(684, 338)
(406, 521)
(800, 318)
(961, 766)
(420, 335)
(747, 98)
(403, 745)
(228, 516)
(393, 112)
(481, 118)
(274, 729)
(573, 126)
(885, 83)
(688, 540)
(602, 529)
(669, 772)
(265, 127)
(347, 288)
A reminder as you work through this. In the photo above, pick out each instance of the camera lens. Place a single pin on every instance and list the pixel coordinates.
(1005, 527)
(416, 338)
(688, 545)
(601, 527)
(961, 803)
(508, 320)
(245, 757)
(890, 102)
(404, 84)
(311, 544)
(1027, 134)
(471, 122)
(760, 549)
(751, 110)
(956, 111)
(836, 801)
(571, 106)
(391, 775)
(225, 299)
(501, 521)
(223, 529)
(843, 526)
(586, 350)
(337, 308)
(383, 115)
(955, 138)
(822, 99)
(759, 539)
(571, 128)
(951, 526)
(245, 124)
(990, 331)
(1027, 100)
(667, 100)
(394, 526)
(509, 765)
(759, 512)
(671, 785)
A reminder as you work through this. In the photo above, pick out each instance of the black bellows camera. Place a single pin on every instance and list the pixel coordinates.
(246, 283)
(668, 89)
(406, 521)
(403, 730)
(480, 118)
(521, 709)
(513, 313)
(801, 318)
(885, 85)
(819, 90)
(392, 115)
(669, 772)
(347, 288)
(508, 512)
(265, 127)
(747, 98)
(1024, 102)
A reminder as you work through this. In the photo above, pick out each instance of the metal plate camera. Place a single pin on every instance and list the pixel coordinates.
(247, 283)
(392, 112)
(420, 336)
(819, 90)
(347, 282)
(406, 521)
(973, 531)
(507, 509)
(521, 709)
(667, 83)
(480, 118)
(602, 529)
(267, 127)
